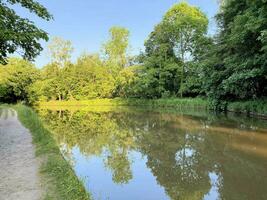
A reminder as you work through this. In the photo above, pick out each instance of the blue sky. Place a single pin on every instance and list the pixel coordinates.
(86, 22)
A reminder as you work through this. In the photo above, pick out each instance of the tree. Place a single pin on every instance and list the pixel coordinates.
(55, 83)
(93, 79)
(171, 49)
(126, 81)
(185, 25)
(86, 79)
(19, 34)
(16, 79)
(237, 64)
(116, 47)
(161, 64)
(60, 51)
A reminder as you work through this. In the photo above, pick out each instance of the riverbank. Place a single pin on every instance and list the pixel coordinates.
(62, 181)
(175, 102)
(251, 108)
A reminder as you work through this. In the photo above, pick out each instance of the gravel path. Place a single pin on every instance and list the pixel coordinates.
(19, 177)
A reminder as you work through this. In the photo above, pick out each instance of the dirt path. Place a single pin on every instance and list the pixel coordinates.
(19, 178)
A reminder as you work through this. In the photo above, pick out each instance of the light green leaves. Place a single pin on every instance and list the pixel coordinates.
(115, 49)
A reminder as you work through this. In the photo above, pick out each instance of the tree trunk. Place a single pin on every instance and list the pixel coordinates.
(182, 73)
(59, 97)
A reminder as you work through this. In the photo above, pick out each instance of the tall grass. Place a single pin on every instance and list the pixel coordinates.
(256, 107)
(63, 183)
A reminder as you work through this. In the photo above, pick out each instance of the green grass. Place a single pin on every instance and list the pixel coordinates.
(256, 107)
(174, 102)
(62, 181)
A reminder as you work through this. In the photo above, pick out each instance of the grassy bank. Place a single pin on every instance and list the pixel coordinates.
(63, 183)
(257, 107)
(185, 102)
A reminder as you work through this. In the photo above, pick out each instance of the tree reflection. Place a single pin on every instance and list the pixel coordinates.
(119, 164)
(184, 153)
(175, 160)
(94, 134)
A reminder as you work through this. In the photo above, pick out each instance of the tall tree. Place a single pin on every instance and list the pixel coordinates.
(116, 47)
(19, 34)
(185, 25)
(238, 69)
(60, 51)
(173, 43)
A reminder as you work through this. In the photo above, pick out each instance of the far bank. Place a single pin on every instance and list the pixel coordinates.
(251, 108)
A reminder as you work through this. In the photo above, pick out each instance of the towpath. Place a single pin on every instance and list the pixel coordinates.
(19, 168)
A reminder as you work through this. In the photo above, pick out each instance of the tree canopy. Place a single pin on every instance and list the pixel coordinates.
(115, 49)
(236, 65)
(171, 47)
(19, 34)
(180, 60)
(60, 51)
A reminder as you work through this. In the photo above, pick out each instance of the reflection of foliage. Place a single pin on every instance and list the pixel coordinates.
(118, 162)
(93, 133)
(181, 150)
(183, 176)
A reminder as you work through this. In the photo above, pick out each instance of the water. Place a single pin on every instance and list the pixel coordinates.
(133, 154)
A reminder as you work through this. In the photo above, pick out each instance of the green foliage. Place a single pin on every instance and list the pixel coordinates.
(90, 77)
(63, 183)
(86, 79)
(258, 107)
(238, 60)
(115, 49)
(179, 60)
(153, 103)
(60, 51)
(126, 82)
(185, 25)
(170, 48)
(20, 34)
(16, 79)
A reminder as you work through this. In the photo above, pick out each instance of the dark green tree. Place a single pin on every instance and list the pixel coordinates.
(19, 34)
(237, 66)
(174, 43)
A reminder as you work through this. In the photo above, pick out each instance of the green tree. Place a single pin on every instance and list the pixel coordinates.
(86, 79)
(55, 83)
(49, 87)
(126, 81)
(19, 34)
(115, 49)
(171, 49)
(95, 79)
(60, 51)
(185, 26)
(237, 63)
(15, 80)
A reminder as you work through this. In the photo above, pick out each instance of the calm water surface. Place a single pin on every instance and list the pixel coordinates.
(136, 154)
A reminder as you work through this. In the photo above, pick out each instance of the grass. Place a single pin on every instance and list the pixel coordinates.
(256, 107)
(174, 102)
(62, 181)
